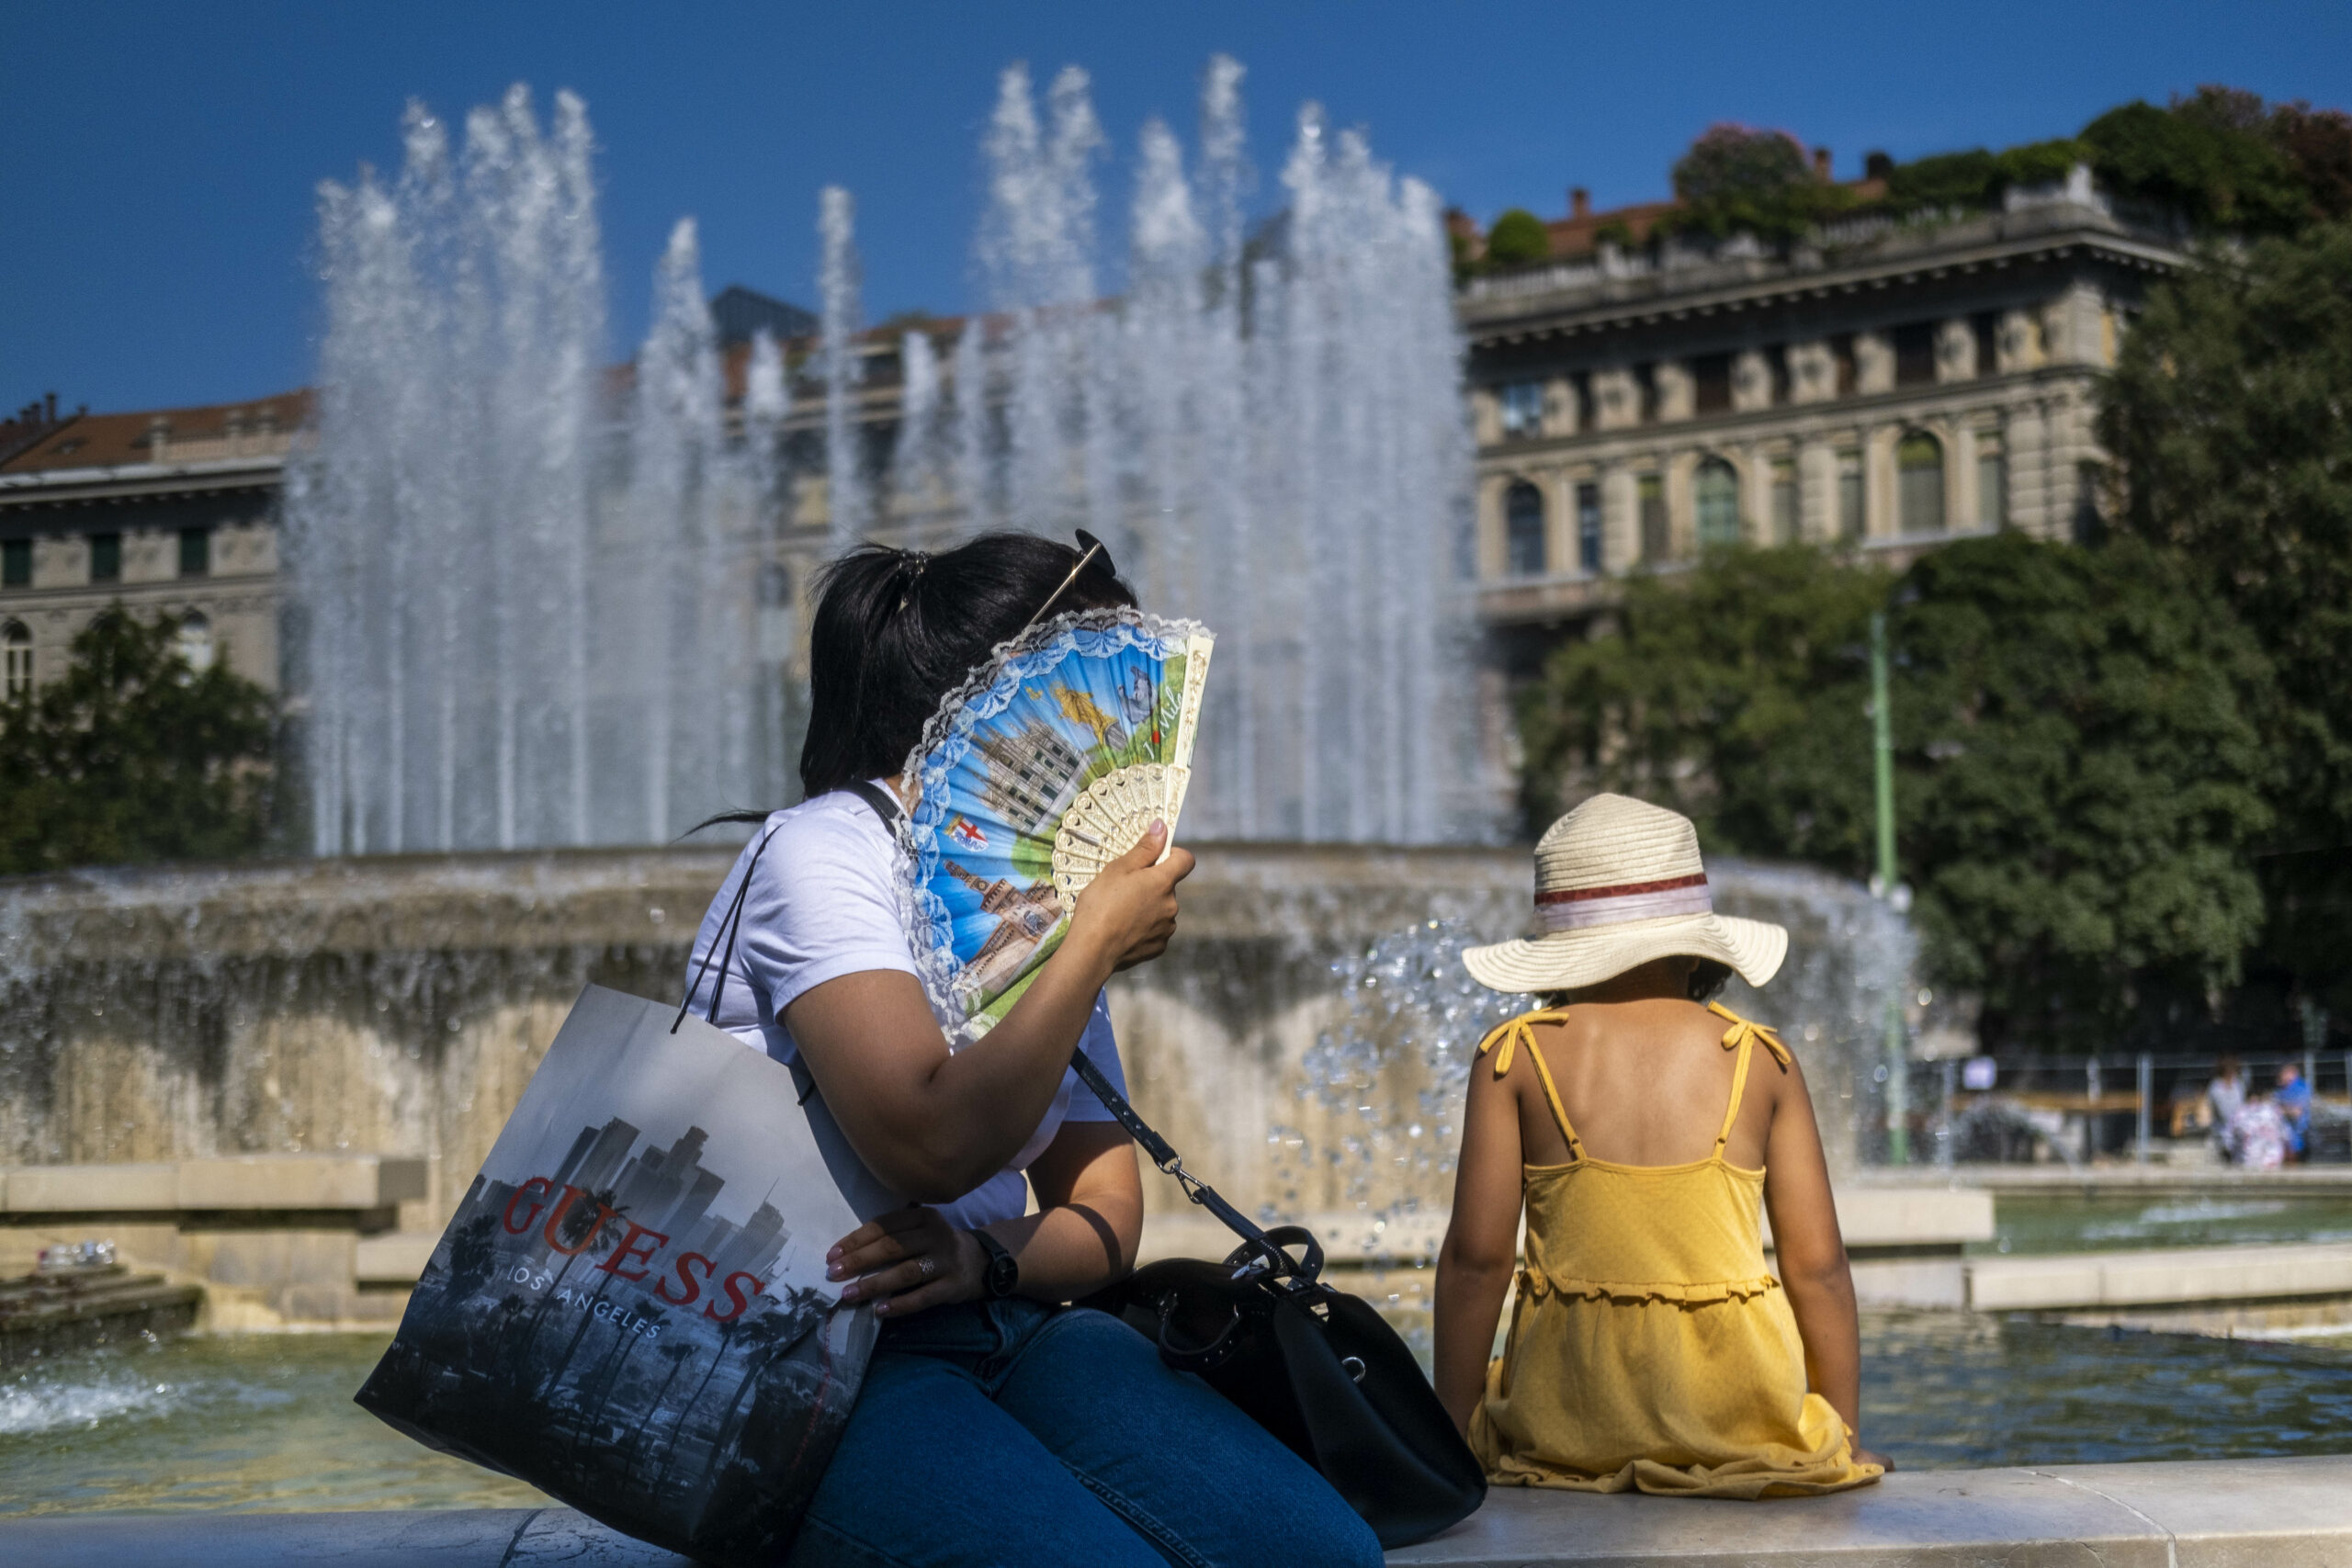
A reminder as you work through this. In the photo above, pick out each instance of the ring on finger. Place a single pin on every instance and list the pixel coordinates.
(926, 1267)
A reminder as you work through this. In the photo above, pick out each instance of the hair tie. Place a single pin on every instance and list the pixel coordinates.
(920, 563)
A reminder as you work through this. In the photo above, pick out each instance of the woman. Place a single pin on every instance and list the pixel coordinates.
(995, 1425)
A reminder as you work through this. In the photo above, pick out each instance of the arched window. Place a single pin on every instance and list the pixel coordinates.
(1715, 491)
(1523, 530)
(18, 677)
(194, 641)
(1919, 483)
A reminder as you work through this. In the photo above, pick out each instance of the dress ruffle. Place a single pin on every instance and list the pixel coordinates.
(1536, 1285)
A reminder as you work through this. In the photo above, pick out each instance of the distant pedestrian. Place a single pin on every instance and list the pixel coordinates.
(2224, 1098)
(2293, 1099)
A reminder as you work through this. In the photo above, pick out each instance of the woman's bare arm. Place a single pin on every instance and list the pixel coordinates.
(933, 1125)
(1083, 1236)
(1812, 1252)
(1481, 1250)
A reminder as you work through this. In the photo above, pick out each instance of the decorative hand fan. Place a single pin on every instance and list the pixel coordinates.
(1047, 766)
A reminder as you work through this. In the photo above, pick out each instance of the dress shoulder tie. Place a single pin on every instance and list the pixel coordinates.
(1509, 1037)
(1744, 1032)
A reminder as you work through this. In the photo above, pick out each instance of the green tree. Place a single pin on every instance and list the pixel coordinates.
(2081, 780)
(1518, 237)
(2080, 765)
(131, 756)
(2212, 157)
(1732, 692)
(2229, 415)
(1736, 179)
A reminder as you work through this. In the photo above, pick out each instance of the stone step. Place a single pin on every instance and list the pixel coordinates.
(2276, 1513)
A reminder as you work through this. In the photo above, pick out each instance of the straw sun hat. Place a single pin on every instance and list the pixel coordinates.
(1618, 883)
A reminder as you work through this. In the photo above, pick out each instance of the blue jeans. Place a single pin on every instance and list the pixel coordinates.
(1015, 1434)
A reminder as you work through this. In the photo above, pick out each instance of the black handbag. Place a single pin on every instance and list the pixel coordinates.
(1315, 1366)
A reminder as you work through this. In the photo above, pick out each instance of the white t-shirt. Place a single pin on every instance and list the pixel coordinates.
(824, 903)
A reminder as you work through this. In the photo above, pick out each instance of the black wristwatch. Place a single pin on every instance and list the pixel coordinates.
(1001, 1273)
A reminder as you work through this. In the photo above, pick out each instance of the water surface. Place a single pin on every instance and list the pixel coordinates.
(265, 1421)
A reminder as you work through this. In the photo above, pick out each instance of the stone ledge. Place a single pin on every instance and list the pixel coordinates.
(237, 1183)
(2284, 1512)
(2160, 1276)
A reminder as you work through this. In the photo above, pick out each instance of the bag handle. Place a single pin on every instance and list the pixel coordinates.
(1255, 1241)
(734, 923)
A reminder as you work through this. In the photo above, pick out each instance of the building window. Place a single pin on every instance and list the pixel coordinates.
(106, 558)
(194, 641)
(1711, 383)
(1589, 526)
(1716, 489)
(1657, 542)
(1776, 364)
(1841, 355)
(19, 673)
(16, 563)
(1523, 530)
(1992, 484)
(1987, 324)
(1784, 501)
(1915, 354)
(1523, 408)
(1645, 384)
(1849, 495)
(195, 552)
(1919, 482)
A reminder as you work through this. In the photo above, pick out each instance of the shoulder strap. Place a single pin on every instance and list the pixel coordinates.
(1742, 1037)
(1522, 1030)
(1162, 1155)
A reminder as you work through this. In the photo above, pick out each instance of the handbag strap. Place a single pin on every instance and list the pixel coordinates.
(1162, 1153)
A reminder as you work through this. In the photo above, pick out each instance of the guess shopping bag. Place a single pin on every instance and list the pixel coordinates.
(630, 1311)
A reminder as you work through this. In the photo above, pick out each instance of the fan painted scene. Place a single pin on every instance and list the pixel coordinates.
(1741, 610)
(1053, 768)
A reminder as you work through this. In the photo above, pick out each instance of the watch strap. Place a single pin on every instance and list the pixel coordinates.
(1002, 1275)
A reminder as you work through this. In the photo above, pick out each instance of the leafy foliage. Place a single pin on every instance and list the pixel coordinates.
(1737, 179)
(2230, 414)
(2201, 157)
(1734, 694)
(131, 756)
(1977, 179)
(1518, 237)
(2081, 780)
(2079, 777)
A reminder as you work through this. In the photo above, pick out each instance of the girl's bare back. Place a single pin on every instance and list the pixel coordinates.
(1644, 1082)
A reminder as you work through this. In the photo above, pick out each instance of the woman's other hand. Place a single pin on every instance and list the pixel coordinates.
(908, 1260)
(1129, 911)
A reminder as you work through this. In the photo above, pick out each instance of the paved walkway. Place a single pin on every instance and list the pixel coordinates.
(2288, 1513)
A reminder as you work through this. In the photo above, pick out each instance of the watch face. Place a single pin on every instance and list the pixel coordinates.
(1003, 1274)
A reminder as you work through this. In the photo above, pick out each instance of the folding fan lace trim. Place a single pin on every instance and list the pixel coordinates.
(923, 913)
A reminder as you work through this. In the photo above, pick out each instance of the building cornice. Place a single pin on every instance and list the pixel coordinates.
(1703, 290)
(140, 481)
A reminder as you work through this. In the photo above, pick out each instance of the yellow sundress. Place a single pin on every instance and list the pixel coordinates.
(1650, 1347)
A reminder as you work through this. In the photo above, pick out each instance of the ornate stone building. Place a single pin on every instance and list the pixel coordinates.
(1895, 385)
(174, 509)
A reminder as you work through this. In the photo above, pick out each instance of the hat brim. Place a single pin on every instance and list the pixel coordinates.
(1568, 961)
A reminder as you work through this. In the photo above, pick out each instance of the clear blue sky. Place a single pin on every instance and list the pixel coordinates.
(157, 160)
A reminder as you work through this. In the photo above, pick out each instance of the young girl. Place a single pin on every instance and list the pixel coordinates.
(1650, 1345)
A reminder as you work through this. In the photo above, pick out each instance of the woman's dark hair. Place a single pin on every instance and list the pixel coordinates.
(897, 630)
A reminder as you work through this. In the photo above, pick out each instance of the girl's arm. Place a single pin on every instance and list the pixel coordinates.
(1481, 1250)
(1813, 1254)
(933, 1125)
